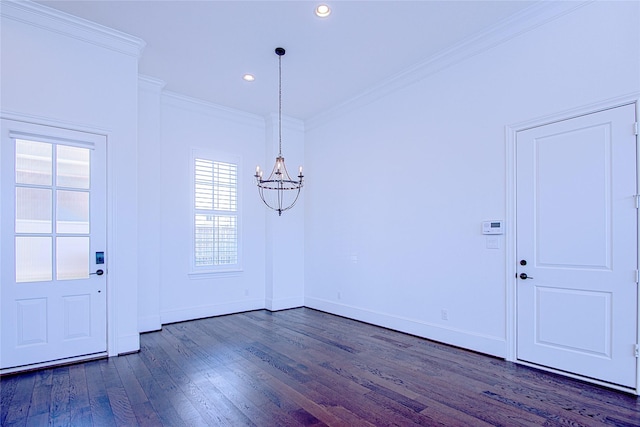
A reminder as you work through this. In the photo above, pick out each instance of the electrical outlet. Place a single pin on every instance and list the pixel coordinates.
(444, 314)
(339, 295)
(246, 292)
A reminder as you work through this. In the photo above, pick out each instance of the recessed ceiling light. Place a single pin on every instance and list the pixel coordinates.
(248, 77)
(323, 11)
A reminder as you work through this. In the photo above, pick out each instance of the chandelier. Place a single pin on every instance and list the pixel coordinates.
(279, 191)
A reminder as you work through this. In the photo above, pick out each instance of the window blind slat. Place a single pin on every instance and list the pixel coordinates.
(216, 225)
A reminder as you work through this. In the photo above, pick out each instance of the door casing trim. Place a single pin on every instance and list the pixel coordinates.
(511, 132)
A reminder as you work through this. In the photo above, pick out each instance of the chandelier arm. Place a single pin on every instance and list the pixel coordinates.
(279, 207)
(292, 203)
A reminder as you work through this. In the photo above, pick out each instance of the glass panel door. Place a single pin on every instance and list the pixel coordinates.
(53, 223)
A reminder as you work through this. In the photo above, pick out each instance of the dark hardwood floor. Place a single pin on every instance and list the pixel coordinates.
(302, 367)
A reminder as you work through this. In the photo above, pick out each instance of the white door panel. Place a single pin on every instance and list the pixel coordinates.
(53, 219)
(577, 238)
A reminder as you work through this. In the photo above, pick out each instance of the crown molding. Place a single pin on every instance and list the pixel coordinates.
(526, 20)
(208, 108)
(59, 22)
(151, 84)
(288, 122)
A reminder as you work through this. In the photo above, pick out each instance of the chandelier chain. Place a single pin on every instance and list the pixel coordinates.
(280, 105)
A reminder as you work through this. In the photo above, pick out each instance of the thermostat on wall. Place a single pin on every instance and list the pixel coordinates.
(493, 227)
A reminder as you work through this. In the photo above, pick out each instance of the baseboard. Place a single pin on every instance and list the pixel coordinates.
(283, 303)
(128, 344)
(493, 346)
(200, 312)
(149, 324)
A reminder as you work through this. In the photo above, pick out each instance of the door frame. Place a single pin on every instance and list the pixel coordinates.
(511, 132)
(110, 282)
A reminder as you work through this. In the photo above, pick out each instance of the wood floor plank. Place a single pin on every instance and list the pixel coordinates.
(41, 397)
(170, 403)
(199, 399)
(303, 367)
(240, 392)
(60, 413)
(21, 399)
(254, 358)
(322, 397)
(246, 401)
(327, 388)
(120, 404)
(37, 420)
(130, 383)
(385, 381)
(78, 390)
(146, 415)
(101, 413)
(7, 390)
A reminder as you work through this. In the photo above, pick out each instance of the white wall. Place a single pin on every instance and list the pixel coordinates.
(149, 199)
(57, 70)
(188, 124)
(403, 182)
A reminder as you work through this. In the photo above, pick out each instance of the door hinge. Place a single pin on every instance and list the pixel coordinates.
(636, 350)
(635, 128)
(637, 197)
(637, 276)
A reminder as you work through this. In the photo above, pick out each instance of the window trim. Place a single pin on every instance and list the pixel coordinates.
(196, 272)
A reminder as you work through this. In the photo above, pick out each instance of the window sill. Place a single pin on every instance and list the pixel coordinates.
(209, 274)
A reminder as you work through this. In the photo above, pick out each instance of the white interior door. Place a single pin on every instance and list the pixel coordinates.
(53, 219)
(577, 246)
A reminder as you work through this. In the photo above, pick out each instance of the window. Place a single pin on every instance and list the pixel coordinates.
(216, 225)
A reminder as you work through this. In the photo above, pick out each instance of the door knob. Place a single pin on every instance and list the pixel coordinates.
(524, 276)
(98, 272)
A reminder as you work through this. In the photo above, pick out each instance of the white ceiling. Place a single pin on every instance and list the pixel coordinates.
(202, 48)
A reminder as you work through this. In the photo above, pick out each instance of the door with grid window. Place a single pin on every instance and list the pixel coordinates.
(52, 249)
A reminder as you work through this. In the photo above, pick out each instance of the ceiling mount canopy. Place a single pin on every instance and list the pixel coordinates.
(279, 191)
